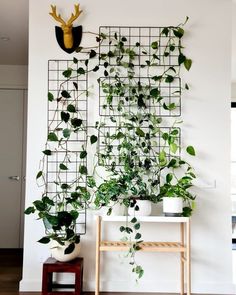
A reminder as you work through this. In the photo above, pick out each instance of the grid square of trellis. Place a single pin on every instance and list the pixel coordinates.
(140, 40)
(110, 151)
(136, 92)
(77, 87)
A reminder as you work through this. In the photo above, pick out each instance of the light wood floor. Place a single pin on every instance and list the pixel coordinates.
(11, 272)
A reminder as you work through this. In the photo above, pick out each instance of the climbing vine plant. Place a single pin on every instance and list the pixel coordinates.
(138, 134)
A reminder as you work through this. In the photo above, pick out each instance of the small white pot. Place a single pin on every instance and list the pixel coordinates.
(145, 208)
(172, 206)
(117, 209)
(58, 253)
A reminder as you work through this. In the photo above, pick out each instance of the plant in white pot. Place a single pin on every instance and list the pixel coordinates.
(174, 189)
(60, 225)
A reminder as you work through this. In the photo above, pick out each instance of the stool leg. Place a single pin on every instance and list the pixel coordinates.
(47, 281)
(182, 260)
(78, 282)
(97, 269)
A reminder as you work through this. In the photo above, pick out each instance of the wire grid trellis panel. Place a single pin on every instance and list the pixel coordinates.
(131, 91)
(67, 153)
(139, 40)
(110, 151)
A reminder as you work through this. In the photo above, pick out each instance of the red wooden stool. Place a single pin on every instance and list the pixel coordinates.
(51, 265)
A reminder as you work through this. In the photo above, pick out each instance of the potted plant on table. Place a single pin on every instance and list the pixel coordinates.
(174, 189)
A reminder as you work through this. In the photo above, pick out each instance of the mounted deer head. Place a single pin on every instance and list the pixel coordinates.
(66, 26)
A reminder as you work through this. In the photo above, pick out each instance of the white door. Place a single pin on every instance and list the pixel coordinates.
(11, 168)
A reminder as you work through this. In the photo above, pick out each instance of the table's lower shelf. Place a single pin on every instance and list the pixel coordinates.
(145, 246)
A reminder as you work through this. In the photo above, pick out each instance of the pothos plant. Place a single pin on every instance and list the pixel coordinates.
(63, 168)
(141, 156)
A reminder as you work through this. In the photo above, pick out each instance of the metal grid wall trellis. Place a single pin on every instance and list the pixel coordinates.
(139, 40)
(76, 141)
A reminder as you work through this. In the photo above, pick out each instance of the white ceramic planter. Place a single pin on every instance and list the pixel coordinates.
(145, 208)
(172, 206)
(117, 210)
(57, 251)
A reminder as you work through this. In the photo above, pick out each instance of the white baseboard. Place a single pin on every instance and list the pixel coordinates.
(142, 286)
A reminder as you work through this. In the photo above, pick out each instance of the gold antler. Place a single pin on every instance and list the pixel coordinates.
(74, 16)
(55, 16)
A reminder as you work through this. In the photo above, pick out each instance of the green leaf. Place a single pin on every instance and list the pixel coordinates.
(75, 85)
(186, 86)
(65, 116)
(162, 158)
(174, 132)
(76, 122)
(165, 32)
(65, 186)
(96, 68)
(67, 73)
(29, 210)
(39, 205)
(137, 236)
(169, 79)
(44, 240)
(70, 248)
(71, 108)
(181, 58)
(52, 137)
(133, 220)
(83, 170)
(63, 167)
(39, 174)
(137, 226)
(66, 132)
(187, 211)
(154, 45)
(169, 177)
(122, 228)
(120, 135)
(155, 92)
(179, 32)
(75, 60)
(140, 132)
(92, 53)
(93, 139)
(188, 64)
(83, 154)
(173, 147)
(190, 150)
(165, 136)
(74, 214)
(50, 96)
(65, 94)
(81, 71)
(47, 152)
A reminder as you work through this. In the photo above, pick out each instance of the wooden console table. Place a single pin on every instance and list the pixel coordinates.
(182, 246)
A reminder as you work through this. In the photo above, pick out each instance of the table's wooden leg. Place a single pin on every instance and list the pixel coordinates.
(188, 256)
(182, 260)
(98, 239)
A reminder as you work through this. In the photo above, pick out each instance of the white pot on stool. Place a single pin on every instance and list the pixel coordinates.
(58, 251)
(172, 206)
(145, 208)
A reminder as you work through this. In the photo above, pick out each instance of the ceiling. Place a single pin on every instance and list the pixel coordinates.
(14, 32)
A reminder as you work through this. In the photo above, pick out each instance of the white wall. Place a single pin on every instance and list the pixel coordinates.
(13, 76)
(206, 112)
